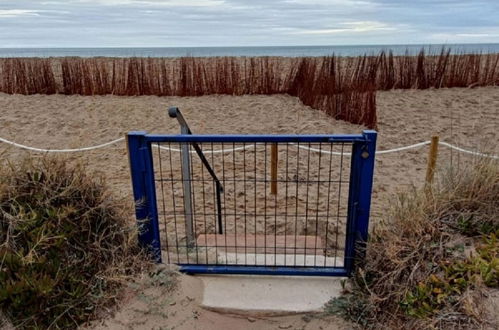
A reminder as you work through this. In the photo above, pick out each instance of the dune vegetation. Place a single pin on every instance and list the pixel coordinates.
(66, 246)
(435, 260)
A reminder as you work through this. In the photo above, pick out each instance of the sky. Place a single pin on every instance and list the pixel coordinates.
(205, 23)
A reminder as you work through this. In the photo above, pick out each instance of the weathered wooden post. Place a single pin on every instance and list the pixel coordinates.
(432, 161)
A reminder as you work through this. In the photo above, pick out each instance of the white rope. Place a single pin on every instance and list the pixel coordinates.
(379, 152)
(322, 151)
(61, 150)
(468, 151)
(412, 146)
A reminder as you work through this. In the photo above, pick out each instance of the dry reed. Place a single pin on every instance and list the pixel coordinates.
(344, 88)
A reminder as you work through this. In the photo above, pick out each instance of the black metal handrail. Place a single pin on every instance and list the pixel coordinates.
(174, 112)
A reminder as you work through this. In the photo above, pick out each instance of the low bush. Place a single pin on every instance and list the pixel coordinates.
(428, 264)
(65, 244)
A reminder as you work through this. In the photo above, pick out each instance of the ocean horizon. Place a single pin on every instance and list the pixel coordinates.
(285, 51)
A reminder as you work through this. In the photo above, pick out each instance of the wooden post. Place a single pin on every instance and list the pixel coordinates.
(273, 168)
(432, 161)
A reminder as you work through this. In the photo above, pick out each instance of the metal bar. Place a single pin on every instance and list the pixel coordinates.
(273, 168)
(328, 202)
(163, 204)
(286, 206)
(194, 217)
(365, 190)
(235, 193)
(245, 209)
(306, 206)
(225, 205)
(174, 205)
(186, 182)
(254, 205)
(262, 270)
(219, 206)
(265, 203)
(261, 180)
(256, 138)
(144, 193)
(359, 200)
(338, 214)
(296, 197)
(204, 214)
(317, 209)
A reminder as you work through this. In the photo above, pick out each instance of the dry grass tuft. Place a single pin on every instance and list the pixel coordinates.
(430, 263)
(65, 245)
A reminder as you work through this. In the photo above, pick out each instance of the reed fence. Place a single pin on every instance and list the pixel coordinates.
(343, 87)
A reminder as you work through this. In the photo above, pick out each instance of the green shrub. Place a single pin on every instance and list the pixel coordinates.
(437, 292)
(417, 273)
(65, 245)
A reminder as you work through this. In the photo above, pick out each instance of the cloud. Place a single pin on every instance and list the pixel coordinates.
(165, 3)
(180, 23)
(351, 27)
(476, 35)
(18, 13)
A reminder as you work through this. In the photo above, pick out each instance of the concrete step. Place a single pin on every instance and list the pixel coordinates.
(260, 259)
(251, 243)
(268, 294)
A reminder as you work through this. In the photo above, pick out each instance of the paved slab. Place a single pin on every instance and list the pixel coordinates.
(268, 294)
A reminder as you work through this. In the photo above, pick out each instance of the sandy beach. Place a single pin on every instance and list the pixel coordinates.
(344, 172)
(468, 118)
(464, 117)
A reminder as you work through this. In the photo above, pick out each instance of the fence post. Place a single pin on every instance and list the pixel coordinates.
(432, 161)
(144, 192)
(359, 200)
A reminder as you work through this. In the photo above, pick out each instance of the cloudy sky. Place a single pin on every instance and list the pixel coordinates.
(182, 23)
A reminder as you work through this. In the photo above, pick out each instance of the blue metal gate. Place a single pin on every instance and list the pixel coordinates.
(253, 204)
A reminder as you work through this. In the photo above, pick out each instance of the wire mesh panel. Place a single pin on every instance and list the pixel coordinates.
(244, 204)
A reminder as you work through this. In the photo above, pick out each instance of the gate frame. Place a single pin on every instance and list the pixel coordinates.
(359, 198)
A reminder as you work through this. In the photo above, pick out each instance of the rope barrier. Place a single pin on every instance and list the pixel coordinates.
(379, 152)
(412, 146)
(61, 150)
(475, 153)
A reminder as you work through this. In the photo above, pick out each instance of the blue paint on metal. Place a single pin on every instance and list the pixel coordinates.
(256, 138)
(144, 192)
(262, 270)
(359, 199)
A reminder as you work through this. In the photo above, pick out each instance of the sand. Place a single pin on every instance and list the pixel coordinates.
(465, 117)
(468, 118)
(150, 304)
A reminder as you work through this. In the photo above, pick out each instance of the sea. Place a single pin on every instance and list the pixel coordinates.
(286, 51)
